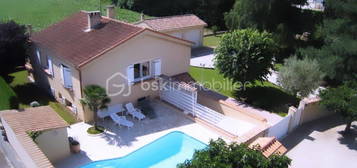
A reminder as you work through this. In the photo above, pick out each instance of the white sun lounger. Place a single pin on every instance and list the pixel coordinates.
(134, 112)
(121, 120)
(110, 110)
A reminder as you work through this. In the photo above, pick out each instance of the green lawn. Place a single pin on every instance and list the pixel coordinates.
(7, 95)
(63, 112)
(264, 95)
(211, 41)
(210, 79)
(17, 92)
(42, 13)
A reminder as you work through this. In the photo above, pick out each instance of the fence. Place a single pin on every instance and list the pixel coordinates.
(309, 110)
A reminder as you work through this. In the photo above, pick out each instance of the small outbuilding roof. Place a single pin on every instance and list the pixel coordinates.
(173, 22)
(33, 119)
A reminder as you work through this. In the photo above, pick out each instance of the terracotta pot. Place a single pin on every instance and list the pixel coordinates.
(75, 148)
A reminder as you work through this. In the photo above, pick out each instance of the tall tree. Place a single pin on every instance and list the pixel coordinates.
(13, 45)
(212, 11)
(343, 100)
(95, 97)
(245, 55)
(221, 155)
(338, 55)
(300, 76)
(278, 17)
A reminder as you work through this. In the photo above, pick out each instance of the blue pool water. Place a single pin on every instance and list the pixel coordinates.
(165, 152)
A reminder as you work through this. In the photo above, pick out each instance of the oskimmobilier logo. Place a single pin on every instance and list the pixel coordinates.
(114, 89)
(118, 84)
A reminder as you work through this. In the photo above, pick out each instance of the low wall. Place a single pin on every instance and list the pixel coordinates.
(229, 109)
(11, 154)
(313, 110)
(309, 110)
(17, 146)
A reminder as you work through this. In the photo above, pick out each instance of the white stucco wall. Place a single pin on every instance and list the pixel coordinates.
(54, 144)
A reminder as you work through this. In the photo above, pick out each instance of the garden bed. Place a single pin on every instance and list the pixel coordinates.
(264, 95)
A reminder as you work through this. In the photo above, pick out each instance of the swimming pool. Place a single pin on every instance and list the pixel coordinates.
(165, 152)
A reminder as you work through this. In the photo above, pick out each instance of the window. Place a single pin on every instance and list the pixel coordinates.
(141, 70)
(66, 77)
(145, 70)
(137, 71)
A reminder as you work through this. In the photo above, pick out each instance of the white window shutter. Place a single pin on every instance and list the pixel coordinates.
(50, 65)
(157, 67)
(74, 109)
(62, 72)
(130, 74)
(67, 76)
(38, 56)
(53, 92)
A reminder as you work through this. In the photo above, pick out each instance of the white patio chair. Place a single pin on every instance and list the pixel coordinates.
(134, 112)
(110, 110)
(119, 120)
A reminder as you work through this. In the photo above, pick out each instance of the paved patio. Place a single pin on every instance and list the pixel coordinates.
(321, 143)
(118, 142)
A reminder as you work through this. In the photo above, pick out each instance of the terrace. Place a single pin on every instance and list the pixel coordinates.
(120, 141)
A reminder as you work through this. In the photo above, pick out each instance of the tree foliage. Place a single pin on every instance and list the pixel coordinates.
(13, 45)
(211, 11)
(95, 97)
(245, 55)
(279, 17)
(338, 55)
(300, 76)
(343, 100)
(221, 155)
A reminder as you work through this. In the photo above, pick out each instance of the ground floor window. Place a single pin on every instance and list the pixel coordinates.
(141, 70)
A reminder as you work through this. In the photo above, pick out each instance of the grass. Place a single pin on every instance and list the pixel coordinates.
(263, 95)
(42, 13)
(63, 112)
(93, 130)
(210, 79)
(277, 66)
(211, 41)
(17, 93)
(7, 95)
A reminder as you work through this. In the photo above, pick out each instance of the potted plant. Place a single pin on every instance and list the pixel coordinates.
(75, 147)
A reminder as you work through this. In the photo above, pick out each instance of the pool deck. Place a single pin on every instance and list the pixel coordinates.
(118, 142)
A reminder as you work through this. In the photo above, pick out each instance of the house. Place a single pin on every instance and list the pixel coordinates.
(87, 48)
(188, 27)
(48, 147)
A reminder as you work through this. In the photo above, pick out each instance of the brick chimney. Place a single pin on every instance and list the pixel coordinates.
(94, 19)
(110, 11)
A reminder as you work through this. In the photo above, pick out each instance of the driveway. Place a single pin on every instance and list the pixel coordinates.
(322, 144)
(202, 57)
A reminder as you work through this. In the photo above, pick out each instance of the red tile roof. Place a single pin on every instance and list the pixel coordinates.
(174, 22)
(34, 119)
(68, 39)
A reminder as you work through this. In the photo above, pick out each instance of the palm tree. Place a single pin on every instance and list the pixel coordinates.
(96, 98)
